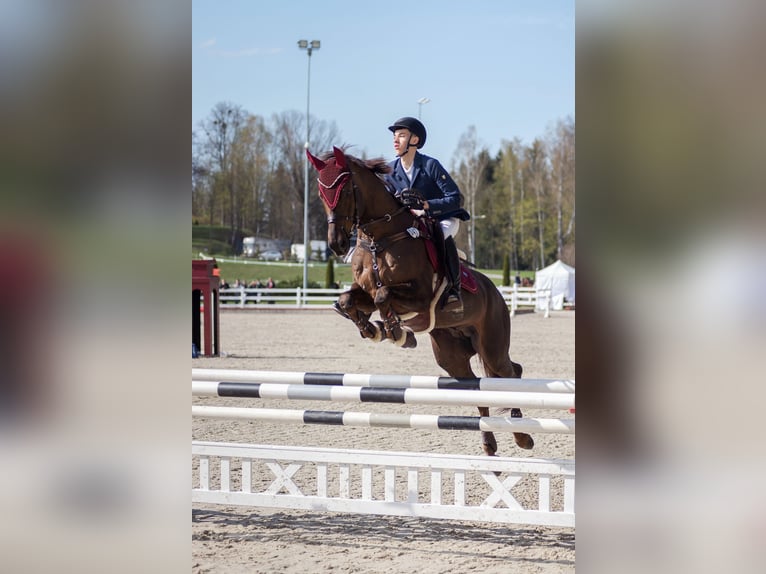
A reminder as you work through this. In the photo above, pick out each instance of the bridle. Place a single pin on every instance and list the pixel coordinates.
(331, 193)
(356, 218)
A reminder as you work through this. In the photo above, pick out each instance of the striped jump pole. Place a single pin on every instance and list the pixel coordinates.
(390, 381)
(410, 396)
(355, 419)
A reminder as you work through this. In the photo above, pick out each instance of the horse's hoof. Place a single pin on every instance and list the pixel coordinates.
(337, 308)
(489, 444)
(523, 440)
(491, 453)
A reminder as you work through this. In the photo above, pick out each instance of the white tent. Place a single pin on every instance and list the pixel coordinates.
(559, 278)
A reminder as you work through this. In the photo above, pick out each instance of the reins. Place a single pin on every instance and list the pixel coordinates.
(365, 227)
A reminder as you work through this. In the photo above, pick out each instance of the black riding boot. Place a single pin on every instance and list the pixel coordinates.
(453, 302)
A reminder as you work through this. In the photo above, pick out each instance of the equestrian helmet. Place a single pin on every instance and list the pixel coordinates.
(414, 125)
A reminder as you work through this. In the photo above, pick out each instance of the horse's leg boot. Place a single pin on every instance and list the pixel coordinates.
(453, 303)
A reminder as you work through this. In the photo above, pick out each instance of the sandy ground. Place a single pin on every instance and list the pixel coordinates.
(242, 539)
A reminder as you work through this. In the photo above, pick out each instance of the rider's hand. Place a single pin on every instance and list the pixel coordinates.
(411, 198)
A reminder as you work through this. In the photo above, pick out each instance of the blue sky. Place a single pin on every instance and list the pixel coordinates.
(506, 67)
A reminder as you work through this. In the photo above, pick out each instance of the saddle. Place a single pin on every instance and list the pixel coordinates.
(432, 234)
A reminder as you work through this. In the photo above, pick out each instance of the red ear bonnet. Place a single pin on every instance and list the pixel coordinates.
(340, 158)
(332, 176)
(315, 161)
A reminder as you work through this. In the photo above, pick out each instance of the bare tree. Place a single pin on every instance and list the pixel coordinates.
(252, 148)
(289, 138)
(468, 169)
(221, 130)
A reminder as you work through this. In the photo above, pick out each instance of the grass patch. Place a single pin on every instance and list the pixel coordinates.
(287, 274)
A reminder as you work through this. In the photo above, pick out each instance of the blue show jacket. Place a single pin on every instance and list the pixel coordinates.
(434, 183)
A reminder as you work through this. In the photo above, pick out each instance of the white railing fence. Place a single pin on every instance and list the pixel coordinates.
(425, 485)
(315, 298)
(528, 297)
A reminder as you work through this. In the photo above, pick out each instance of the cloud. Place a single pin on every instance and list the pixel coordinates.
(208, 43)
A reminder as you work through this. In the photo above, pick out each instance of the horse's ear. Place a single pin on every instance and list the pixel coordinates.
(340, 158)
(315, 161)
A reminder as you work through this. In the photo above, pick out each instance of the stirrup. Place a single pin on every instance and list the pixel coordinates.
(452, 303)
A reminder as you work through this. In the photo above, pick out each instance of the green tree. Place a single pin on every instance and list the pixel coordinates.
(561, 146)
(329, 281)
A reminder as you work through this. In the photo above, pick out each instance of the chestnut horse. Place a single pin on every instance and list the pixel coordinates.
(393, 275)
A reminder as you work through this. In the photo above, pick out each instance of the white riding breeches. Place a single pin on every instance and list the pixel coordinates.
(450, 226)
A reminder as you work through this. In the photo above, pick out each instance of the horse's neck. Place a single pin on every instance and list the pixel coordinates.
(378, 203)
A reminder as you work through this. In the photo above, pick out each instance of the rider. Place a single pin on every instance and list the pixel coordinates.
(422, 183)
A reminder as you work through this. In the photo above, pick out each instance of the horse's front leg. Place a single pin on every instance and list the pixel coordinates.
(400, 336)
(357, 306)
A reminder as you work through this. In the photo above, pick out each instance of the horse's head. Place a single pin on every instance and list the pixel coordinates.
(353, 193)
(338, 199)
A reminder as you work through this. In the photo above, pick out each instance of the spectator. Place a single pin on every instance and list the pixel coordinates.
(270, 285)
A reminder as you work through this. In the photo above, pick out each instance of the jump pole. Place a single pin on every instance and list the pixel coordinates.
(356, 419)
(410, 396)
(391, 381)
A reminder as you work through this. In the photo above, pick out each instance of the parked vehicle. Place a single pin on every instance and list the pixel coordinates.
(271, 255)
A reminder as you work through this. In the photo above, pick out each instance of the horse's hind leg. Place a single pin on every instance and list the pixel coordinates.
(453, 354)
(497, 363)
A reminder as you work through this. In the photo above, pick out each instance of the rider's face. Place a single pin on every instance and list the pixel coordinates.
(401, 137)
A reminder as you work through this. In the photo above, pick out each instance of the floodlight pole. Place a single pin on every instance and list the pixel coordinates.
(309, 47)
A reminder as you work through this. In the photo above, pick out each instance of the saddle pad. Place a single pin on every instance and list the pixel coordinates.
(430, 247)
(467, 279)
(432, 257)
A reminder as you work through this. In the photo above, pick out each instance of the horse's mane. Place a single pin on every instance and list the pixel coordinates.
(378, 165)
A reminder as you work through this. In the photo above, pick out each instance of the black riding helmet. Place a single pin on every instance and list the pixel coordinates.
(414, 125)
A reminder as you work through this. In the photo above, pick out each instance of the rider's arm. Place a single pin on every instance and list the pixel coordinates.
(450, 199)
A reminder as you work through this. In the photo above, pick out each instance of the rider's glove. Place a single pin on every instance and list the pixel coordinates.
(411, 198)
